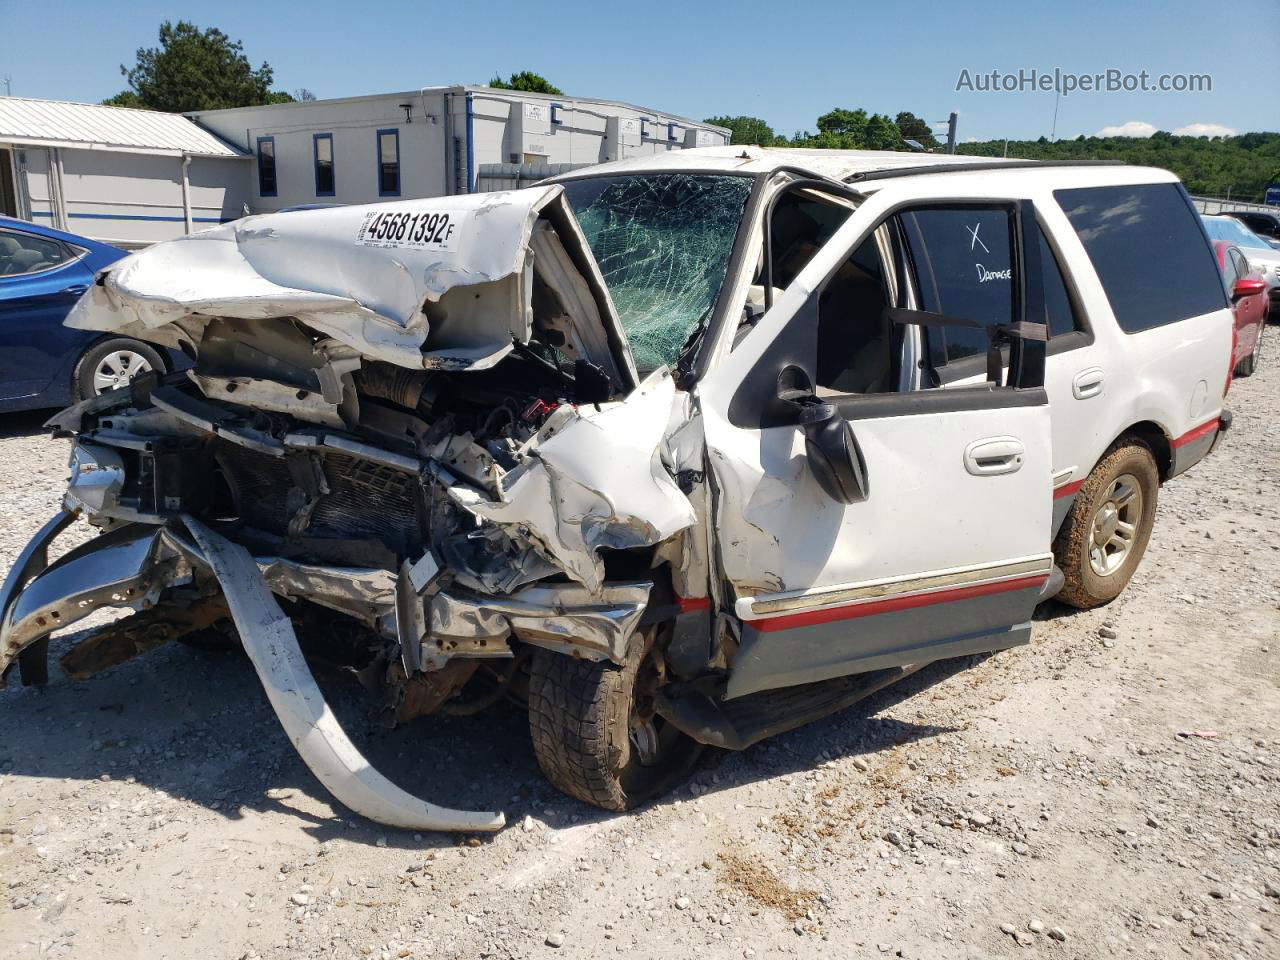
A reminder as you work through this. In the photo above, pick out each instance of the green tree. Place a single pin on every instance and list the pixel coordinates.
(845, 125)
(195, 70)
(528, 81)
(841, 129)
(747, 131)
(913, 128)
(1242, 165)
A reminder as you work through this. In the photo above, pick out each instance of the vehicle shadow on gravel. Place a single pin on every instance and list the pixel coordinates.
(197, 725)
(28, 423)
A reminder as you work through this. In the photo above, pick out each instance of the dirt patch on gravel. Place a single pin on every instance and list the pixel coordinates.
(761, 885)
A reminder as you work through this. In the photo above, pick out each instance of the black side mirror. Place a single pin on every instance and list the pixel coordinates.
(832, 449)
(836, 460)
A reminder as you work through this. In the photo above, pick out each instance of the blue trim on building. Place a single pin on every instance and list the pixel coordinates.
(555, 111)
(275, 168)
(130, 216)
(377, 142)
(333, 166)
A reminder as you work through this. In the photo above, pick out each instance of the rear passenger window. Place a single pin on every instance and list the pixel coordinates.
(1148, 250)
(24, 253)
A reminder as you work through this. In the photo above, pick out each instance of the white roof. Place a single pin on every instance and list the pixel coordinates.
(836, 164)
(89, 126)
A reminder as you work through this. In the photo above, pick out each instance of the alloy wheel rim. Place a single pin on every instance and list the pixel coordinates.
(117, 369)
(1114, 530)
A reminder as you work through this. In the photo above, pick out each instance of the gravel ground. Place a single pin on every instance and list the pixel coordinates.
(1111, 789)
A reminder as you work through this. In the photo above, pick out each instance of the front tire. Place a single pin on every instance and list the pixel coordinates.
(594, 731)
(111, 364)
(1106, 533)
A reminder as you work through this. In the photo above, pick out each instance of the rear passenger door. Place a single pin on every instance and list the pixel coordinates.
(966, 281)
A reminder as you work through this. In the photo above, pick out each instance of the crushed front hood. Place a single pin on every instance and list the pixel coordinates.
(377, 277)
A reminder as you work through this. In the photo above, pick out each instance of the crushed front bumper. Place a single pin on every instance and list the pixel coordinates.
(131, 566)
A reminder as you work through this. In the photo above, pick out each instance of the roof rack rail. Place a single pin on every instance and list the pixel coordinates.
(892, 172)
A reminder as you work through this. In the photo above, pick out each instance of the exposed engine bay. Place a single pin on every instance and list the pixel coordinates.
(413, 447)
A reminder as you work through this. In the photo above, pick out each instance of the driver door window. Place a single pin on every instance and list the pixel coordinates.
(963, 267)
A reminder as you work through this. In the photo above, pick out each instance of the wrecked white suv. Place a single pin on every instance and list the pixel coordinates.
(679, 452)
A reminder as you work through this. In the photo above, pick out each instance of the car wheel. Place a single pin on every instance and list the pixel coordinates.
(1248, 365)
(1106, 533)
(595, 732)
(112, 364)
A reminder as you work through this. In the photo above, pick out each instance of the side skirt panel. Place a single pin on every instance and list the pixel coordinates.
(778, 654)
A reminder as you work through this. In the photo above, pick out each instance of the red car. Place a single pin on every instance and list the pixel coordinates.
(1249, 304)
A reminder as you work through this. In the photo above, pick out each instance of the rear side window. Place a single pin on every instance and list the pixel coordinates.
(24, 253)
(1148, 251)
(1060, 314)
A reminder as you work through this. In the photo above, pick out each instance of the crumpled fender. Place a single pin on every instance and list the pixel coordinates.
(324, 746)
(596, 478)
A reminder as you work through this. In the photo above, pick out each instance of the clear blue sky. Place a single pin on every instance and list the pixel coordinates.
(785, 62)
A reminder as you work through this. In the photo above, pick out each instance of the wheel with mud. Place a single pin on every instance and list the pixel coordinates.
(1105, 535)
(595, 732)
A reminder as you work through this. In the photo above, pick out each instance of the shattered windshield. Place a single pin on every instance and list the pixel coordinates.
(662, 241)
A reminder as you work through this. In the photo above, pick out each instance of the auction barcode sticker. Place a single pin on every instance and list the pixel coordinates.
(422, 229)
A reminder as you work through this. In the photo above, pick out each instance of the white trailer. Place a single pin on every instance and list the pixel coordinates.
(437, 141)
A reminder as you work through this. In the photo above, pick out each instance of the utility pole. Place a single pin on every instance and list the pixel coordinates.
(8, 85)
(951, 131)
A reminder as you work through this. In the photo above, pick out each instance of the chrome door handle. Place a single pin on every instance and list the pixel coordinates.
(994, 456)
(76, 289)
(1087, 383)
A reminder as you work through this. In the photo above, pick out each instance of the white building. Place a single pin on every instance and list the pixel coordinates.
(129, 177)
(437, 141)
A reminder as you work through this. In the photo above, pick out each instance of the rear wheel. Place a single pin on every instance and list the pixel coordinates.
(595, 732)
(112, 364)
(1106, 533)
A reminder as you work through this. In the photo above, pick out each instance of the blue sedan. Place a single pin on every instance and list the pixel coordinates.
(43, 272)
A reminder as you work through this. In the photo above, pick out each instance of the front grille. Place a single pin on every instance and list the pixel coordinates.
(366, 501)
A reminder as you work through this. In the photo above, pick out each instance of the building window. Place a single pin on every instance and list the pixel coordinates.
(322, 145)
(267, 166)
(388, 163)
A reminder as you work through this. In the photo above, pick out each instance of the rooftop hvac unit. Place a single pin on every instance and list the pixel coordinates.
(529, 129)
(702, 138)
(620, 133)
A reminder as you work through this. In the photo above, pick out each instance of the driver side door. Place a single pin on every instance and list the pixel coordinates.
(863, 518)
